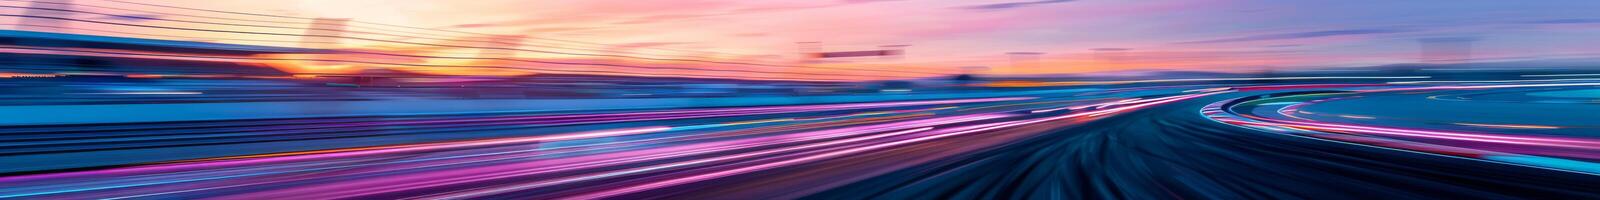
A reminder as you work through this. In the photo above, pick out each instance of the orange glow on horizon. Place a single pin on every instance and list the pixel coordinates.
(301, 64)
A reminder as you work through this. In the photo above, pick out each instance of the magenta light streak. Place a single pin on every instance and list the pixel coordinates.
(256, 171)
(833, 154)
(151, 183)
(401, 149)
(503, 189)
(806, 159)
(437, 146)
(390, 184)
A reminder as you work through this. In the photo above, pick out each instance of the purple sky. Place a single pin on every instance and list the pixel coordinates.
(1074, 35)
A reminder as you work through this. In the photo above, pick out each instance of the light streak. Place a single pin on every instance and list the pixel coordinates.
(834, 154)
(1510, 126)
(1378, 137)
(146, 93)
(1559, 75)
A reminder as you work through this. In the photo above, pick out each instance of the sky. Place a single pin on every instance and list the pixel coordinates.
(1068, 36)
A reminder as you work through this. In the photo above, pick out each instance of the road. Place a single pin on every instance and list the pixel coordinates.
(1171, 152)
(1128, 143)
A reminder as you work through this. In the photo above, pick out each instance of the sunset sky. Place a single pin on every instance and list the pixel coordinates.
(1073, 35)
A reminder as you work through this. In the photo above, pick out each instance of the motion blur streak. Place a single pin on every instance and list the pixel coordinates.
(1577, 154)
(963, 130)
(460, 163)
(676, 150)
(799, 99)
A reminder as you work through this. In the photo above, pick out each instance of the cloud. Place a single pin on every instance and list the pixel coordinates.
(646, 44)
(1111, 49)
(132, 17)
(1003, 6)
(1299, 35)
(664, 18)
(864, 1)
(558, 29)
(1566, 21)
(751, 34)
(652, 12)
(781, 8)
(474, 25)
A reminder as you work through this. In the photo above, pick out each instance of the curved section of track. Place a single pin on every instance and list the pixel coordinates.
(1171, 152)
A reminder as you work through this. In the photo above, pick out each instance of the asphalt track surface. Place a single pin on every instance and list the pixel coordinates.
(1171, 152)
(1138, 144)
